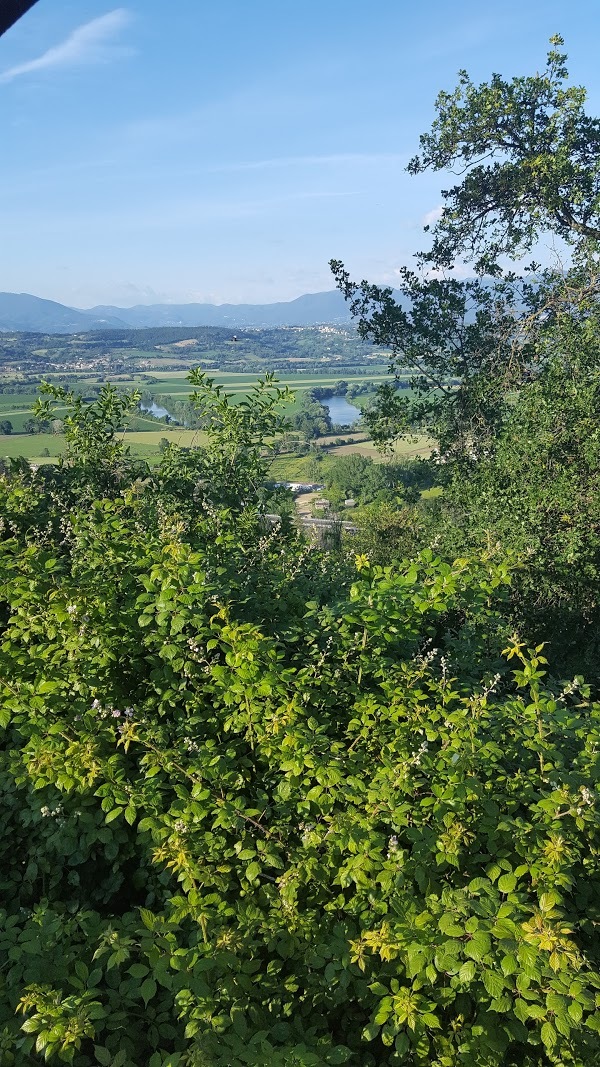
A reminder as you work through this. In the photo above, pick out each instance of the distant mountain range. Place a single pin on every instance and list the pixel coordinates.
(22, 312)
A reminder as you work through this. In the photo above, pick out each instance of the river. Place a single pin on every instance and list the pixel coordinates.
(341, 412)
(154, 409)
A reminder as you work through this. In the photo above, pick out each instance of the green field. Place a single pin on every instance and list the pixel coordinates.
(146, 432)
(31, 445)
(290, 468)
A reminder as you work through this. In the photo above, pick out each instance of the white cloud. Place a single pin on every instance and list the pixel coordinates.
(90, 43)
(433, 215)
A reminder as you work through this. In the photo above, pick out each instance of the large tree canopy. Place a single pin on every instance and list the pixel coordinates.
(505, 369)
(529, 160)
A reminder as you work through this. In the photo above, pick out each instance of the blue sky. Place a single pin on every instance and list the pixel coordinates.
(191, 151)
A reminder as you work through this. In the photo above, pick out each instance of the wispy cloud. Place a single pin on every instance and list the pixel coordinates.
(91, 43)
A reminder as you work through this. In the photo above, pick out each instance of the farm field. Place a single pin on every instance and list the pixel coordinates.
(30, 446)
(175, 384)
(300, 378)
(290, 468)
(409, 449)
(145, 432)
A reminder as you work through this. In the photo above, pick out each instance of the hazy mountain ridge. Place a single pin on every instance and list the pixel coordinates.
(24, 312)
(307, 310)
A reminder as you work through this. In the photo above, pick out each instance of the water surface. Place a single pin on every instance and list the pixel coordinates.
(341, 412)
(154, 409)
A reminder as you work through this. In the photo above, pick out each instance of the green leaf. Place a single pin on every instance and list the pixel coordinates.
(521, 1010)
(494, 983)
(575, 1011)
(528, 958)
(509, 964)
(478, 946)
(147, 990)
(431, 1020)
(114, 814)
(549, 1035)
(467, 972)
(448, 925)
(507, 883)
(370, 1032)
(378, 989)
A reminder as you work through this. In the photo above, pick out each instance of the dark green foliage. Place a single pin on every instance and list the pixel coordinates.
(312, 419)
(361, 478)
(261, 806)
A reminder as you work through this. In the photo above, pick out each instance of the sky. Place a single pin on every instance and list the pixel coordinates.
(225, 152)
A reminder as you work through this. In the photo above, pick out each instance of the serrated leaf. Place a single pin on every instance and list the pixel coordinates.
(494, 983)
(575, 1011)
(563, 1024)
(549, 1035)
(505, 930)
(521, 1010)
(431, 1020)
(478, 946)
(148, 919)
(448, 925)
(382, 1015)
(509, 964)
(536, 1011)
(402, 1044)
(467, 971)
(555, 1003)
(549, 900)
(478, 885)
(527, 957)
(507, 883)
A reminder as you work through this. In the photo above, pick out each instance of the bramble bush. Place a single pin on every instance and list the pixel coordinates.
(263, 805)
